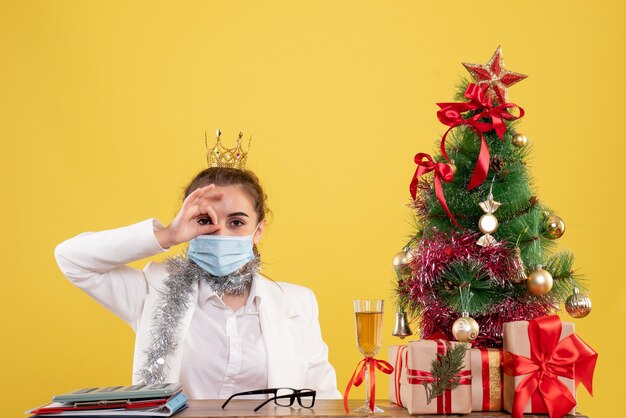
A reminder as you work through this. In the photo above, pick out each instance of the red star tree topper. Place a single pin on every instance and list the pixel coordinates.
(493, 77)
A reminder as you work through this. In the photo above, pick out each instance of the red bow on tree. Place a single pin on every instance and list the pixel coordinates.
(443, 171)
(549, 358)
(450, 114)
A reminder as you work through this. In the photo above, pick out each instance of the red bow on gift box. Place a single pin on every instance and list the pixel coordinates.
(450, 114)
(549, 358)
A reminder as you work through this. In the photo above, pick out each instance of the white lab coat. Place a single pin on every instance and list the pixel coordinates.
(297, 356)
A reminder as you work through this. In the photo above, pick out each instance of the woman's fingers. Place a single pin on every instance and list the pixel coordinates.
(191, 199)
(200, 193)
(205, 201)
(206, 226)
(211, 195)
(208, 192)
(203, 195)
(206, 229)
(206, 215)
(198, 202)
(197, 215)
(201, 190)
(212, 215)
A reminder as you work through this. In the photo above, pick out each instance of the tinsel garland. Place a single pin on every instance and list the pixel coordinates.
(437, 252)
(434, 254)
(175, 301)
(436, 318)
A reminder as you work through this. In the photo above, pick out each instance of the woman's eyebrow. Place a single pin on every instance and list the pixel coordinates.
(238, 214)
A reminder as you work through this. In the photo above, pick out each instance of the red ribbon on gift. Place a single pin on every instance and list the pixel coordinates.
(443, 171)
(418, 377)
(549, 358)
(359, 375)
(400, 362)
(450, 114)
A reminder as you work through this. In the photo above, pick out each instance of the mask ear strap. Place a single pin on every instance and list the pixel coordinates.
(254, 232)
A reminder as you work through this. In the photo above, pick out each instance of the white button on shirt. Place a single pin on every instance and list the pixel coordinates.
(224, 352)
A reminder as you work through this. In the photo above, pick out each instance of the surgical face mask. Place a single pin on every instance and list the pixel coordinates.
(220, 255)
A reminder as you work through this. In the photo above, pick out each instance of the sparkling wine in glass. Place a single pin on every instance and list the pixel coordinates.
(369, 336)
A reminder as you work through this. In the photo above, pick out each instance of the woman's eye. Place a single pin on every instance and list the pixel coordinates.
(237, 223)
(204, 221)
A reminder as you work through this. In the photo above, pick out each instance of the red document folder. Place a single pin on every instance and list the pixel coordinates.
(149, 407)
(56, 407)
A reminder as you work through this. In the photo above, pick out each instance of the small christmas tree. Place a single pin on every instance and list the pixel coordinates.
(481, 255)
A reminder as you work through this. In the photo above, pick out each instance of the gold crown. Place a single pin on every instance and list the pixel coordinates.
(219, 156)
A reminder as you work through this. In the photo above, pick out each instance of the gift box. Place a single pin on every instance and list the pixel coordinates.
(397, 358)
(486, 367)
(413, 369)
(543, 362)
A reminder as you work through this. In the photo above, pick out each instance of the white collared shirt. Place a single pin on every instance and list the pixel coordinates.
(224, 352)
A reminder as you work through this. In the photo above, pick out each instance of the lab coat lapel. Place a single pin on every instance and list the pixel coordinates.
(277, 315)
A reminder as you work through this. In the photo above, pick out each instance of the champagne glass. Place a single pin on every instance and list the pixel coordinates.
(369, 336)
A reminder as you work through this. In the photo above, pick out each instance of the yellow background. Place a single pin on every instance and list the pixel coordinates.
(104, 106)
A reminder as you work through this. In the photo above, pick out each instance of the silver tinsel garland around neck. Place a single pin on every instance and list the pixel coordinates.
(235, 283)
(175, 301)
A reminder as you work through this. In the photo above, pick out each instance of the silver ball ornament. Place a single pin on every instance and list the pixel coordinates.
(578, 305)
(401, 262)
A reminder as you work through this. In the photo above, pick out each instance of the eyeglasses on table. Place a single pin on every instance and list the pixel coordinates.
(282, 397)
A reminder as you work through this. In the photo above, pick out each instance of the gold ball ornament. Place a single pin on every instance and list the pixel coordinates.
(488, 223)
(554, 227)
(401, 262)
(539, 282)
(578, 305)
(465, 329)
(519, 140)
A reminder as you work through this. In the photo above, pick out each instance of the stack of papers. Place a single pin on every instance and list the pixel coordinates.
(155, 400)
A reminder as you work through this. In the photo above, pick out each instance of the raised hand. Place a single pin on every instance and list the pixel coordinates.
(195, 217)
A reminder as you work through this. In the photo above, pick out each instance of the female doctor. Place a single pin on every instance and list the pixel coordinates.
(208, 319)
